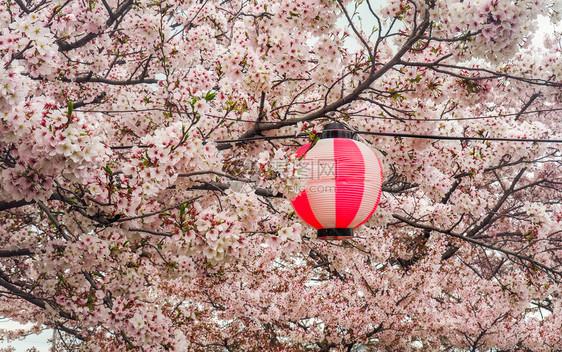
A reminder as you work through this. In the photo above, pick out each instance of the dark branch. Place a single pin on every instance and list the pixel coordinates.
(119, 13)
(531, 100)
(14, 204)
(257, 129)
(6, 253)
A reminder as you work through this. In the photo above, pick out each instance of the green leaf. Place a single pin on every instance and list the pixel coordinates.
(192, 102)
(314, 139)
(70, 109)
(210, 95)
(108, 170)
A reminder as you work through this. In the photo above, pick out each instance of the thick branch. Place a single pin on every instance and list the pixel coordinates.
(90, 79)
(64, 46)
(497, 207)
(22, 6)
(16, 291)
(214, 186)
(14, 204)
(6, 253)
(257, 129)
(531, 100)
(8, 205)
(479, 243)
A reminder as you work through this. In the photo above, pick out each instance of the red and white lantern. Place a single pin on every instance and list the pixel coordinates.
(343, 183)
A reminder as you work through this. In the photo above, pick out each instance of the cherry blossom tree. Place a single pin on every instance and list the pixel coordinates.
(144, 200)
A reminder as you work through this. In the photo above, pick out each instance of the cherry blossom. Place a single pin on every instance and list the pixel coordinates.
(145, 198)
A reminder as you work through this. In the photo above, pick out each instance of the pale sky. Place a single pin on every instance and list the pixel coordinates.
(38, 341)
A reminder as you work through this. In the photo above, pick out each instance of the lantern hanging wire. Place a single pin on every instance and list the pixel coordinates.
(399, 135)
(380, 134)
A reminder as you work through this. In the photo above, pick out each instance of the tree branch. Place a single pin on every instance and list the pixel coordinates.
(14, 204)
(531, 100)
(39, 302)
(119, 13)
(480, 243)
(6, 253)
(373, 76)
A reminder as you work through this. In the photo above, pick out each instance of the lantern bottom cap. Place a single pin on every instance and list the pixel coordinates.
(335, 234)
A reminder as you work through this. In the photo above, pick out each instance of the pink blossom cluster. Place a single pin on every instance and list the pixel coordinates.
(144, 198)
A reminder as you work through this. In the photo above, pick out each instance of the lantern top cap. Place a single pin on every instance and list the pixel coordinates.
(336, 130)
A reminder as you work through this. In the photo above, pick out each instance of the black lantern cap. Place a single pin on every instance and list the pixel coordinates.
(335, 234)
(336, 130)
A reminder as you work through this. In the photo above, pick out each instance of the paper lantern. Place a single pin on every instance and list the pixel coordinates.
(343, 181)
